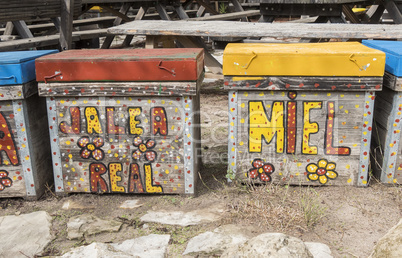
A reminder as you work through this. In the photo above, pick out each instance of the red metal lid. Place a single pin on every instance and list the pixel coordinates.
(176, 64)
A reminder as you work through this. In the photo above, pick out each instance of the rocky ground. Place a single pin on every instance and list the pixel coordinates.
(222, 220)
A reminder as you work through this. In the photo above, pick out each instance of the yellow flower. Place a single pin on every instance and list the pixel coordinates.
(322, 171)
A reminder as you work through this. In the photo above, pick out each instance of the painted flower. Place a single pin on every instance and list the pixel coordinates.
(144, 148)
(5, 181)
(322, 171)
(261, 170)
(91, 149)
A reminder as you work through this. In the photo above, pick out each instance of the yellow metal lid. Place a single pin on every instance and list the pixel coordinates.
(303, 59)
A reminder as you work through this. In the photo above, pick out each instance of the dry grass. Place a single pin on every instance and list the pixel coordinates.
(278, 208)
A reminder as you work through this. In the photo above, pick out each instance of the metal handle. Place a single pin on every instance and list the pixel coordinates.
(8, 78)
(166, 69)
(355, 62)
(51, 76)
(251, 59)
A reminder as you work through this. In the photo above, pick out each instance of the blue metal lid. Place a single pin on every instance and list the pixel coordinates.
(15, 57)
(393, 53)
(393, 47)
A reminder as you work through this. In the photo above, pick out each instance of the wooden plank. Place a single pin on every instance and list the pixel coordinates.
(392, 82)
(242, 29)
(303, 83)
(21, 44)
(119, 14)
(393, 10)
(109, 38)
(310, 1)
(14, 10)
(162, 12)
(181, 12)
(373, 15)
(140, 15)
(110, 1)
(207, 7)
(118, 89)
(8, 30)
(66, 27)
(239, 8)
(227, 16)
(97, 20)
(21, 91)
(22, 29)
(200, 11)
(37, 134)
(350, 15)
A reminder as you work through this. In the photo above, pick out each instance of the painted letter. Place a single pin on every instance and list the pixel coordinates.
(110, 125)
(75, 126)
(291, 128)
(96, 170)
(159, 121)
(115, 168)
(7, 143)
(134, 181)
(92, 118)
(329, 133)
(261, 127)
(134, 122)
(148, 180)
(309, 128)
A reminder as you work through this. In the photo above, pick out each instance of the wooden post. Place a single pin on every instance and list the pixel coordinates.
(393, 10)
(66, 30)
(9, 29)
(140, 14)
(109, 39)
(22, 29)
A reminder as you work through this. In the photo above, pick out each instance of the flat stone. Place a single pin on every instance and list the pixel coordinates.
(147, 246)
(130, 204)
(71, 205)
(273, 245)
(87, 224)
(25, 235)
(216, 242)
(319, 250)
(96, 250)
(143, 247)
(184, 219)
(389, 245)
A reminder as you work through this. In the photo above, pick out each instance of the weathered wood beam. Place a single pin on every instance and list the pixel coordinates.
(207, 7)
(66, 28)
(22, 29)
(247, 29)
(117, 13)
(373, 15)
(350, 15)
(393, 10)
(140, 15)
(22, 44)
(239, 8)
(162, 12)
(227, 16)
(109, 39)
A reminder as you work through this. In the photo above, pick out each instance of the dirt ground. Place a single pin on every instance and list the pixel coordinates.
(349, 220)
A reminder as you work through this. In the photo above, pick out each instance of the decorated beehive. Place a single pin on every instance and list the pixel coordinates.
(386, 146)
(123, 121)
(301, 113)
(25, 164)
